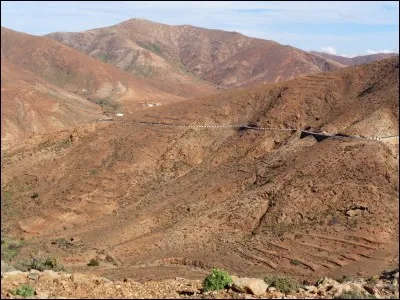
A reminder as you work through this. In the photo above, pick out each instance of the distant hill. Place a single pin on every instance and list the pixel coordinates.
(357, 60)
(177, 53)
(71, 69)
(65, 80)
(30, 104)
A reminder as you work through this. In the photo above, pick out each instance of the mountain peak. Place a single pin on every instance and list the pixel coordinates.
(170, 53)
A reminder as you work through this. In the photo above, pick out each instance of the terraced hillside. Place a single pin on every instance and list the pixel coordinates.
(152, 202)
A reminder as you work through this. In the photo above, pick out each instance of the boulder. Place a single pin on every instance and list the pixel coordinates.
(347, 287)
(255, 286)
(327, 283)
(311, 289)
(33, 276)
(49, 275)
(5, 267)
(15, 274)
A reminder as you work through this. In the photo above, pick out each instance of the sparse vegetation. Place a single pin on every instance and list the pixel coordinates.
(279, 229)
(94, 172)
(59, 76)
(61, 144)
(295, 262)
(10, 248)
(355, 295)
(35, 195)
(93, 263)
(7, 196)
(60, 242)
(151, 47)
(104, 57)
(24, 290)
(107, 104)
(63, 243)
(50, 263)
(344, 278)
(217, 280)
(282, 283)
(146, 70)
(6, 200)
(373, 279)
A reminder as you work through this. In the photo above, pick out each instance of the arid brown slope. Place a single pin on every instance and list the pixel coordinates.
(357, 60)
(38, 72)
(74, 71)
(164, 202)
(30, 104)
(168, 52)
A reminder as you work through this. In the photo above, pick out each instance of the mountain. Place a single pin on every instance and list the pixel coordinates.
(357, 60)
(30, 104)
(74, 71)
(151, 201)
(65, 80)
(171, 53)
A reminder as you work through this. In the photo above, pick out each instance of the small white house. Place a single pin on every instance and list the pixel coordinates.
(119, 114)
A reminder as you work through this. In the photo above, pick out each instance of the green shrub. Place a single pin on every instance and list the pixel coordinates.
(35, 195)
(93, 263)
(104, 58)
(282, 283)
(373, 279)
(24, 291)
(217, 280)
(295, 262)
(51, 263)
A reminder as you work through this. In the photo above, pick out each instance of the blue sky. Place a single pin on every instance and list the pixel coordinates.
(347, 28)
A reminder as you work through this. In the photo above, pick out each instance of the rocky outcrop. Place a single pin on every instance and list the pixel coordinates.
(50, 284)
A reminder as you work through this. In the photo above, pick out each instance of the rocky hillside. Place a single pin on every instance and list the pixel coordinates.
(48, 86)
(53, 285)
(357, 60)
(148, 201)
(30, 104)
(171, 53)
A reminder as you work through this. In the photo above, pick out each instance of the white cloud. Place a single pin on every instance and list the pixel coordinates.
(329, 50)
(369, 51)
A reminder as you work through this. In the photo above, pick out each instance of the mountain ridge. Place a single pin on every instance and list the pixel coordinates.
(228, 59)
(52, 71)
(356, 60)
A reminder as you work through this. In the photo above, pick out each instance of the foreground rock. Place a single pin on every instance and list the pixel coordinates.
(254, 286)
(6, 267)
(50, 284)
